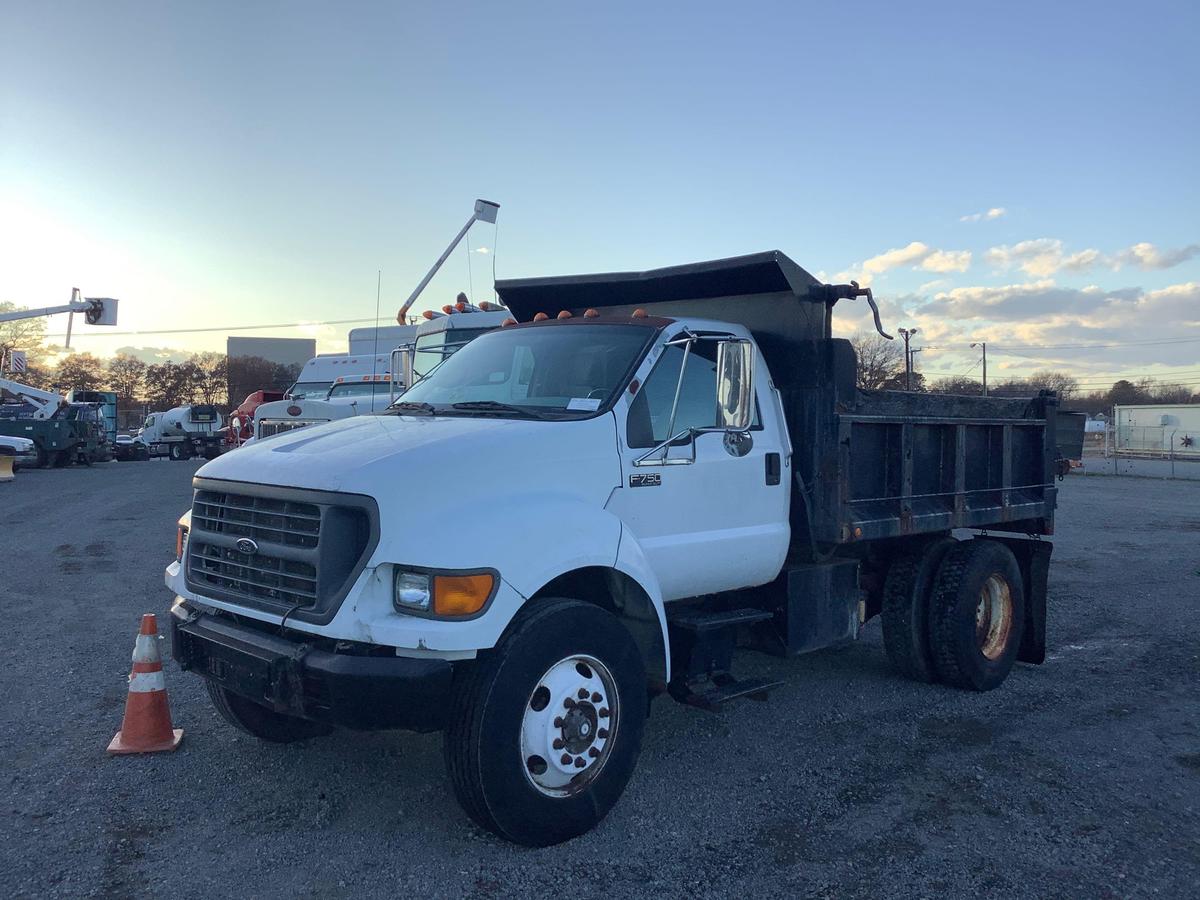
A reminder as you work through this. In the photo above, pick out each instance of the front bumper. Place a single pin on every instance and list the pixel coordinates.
(298, 679)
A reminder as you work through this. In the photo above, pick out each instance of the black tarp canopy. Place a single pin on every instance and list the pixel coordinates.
(767, 292)
(759, 273)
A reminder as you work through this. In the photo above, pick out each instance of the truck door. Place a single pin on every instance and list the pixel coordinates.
(720, 522)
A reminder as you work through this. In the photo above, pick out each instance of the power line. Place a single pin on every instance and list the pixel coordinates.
(215, 328)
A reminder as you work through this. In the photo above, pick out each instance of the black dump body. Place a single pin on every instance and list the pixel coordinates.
(868, 465)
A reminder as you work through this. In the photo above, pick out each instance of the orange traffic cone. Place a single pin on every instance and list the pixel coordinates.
(146, 727)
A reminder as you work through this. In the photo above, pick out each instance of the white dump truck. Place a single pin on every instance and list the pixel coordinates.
(597, 505)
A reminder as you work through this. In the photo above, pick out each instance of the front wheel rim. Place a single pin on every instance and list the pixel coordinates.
(568, 726)
(994, 617)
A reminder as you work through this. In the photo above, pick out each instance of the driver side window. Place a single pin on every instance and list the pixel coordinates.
(650, 412)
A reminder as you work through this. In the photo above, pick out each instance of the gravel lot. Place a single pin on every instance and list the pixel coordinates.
(1080, 777)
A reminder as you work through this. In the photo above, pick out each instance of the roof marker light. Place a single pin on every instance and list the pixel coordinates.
(509, 321)
(447, 309)
(540, 317)
(489, 306)
(639, 313)
(564, 314)
(590, 313)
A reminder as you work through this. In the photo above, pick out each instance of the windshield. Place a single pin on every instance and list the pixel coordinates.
(310, 390)
(564, 371)
(360, 389)
(431, 349)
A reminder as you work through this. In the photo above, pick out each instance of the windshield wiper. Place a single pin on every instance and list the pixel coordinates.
(409, 406)
(496, 407)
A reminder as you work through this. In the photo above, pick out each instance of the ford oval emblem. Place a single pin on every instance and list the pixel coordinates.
(247, 546)
(294, 410)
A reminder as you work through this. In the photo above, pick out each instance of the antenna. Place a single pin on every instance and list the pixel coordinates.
(375, 352)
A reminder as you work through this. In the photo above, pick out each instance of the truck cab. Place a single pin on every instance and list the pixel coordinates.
(637, 474)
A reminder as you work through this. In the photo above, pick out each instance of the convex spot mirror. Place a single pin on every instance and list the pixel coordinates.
(735, 385)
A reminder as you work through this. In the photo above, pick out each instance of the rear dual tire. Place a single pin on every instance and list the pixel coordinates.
(954, 613)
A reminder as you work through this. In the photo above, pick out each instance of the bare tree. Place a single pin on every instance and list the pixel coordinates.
(957, 384)
(81, 372)
(880, 361)
(1066, 385)
(127, 375)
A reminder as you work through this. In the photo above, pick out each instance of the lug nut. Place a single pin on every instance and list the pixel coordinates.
(558, 744)
(558, 721)
(583, 693)
(604, 712)
(595, 698)
(566, 759)
(568, 703)
(593, 752)
(579, 763)
(602, 733)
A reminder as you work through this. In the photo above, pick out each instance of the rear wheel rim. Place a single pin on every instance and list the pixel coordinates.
(994, 617)
(568, 726)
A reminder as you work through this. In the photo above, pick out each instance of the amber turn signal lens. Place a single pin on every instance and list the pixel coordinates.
(461, 595)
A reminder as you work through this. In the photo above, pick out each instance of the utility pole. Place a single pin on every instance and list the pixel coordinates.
(907, 333)
(983, 345)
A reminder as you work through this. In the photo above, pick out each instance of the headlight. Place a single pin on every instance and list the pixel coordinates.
(413, 591)
(449, 594)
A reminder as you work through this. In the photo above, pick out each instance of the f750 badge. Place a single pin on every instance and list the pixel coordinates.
(651, 480)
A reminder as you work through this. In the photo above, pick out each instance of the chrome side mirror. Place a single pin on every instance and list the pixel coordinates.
(735, 385)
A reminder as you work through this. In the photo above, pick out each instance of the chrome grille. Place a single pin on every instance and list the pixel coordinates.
(220, 519)
(259, 518)
(265, 578)
(267, 428)
(276, 548)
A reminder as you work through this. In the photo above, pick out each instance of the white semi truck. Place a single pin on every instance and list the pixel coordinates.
(356, 393)
(649, 470)
(183, 432)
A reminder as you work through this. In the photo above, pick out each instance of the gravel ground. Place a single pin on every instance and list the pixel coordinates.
(1080, 777)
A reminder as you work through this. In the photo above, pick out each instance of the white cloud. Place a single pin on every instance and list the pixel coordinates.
(1040, 257)
(994, 213)
(1043, 257)
(916, 254)
(947, 261)
(1147, 256)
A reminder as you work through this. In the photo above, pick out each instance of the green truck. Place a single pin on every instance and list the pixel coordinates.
(62, 432)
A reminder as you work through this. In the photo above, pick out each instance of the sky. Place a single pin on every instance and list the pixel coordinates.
(1018, 173)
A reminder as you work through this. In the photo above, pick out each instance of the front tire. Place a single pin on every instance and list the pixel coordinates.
(977, 615)
(175, 451)
(545, 730)
(259, 721)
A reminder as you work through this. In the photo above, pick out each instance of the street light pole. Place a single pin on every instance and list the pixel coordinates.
(983, 345)
(906, 333)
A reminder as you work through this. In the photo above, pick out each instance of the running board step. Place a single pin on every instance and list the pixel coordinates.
(702, 620)
(720, 690)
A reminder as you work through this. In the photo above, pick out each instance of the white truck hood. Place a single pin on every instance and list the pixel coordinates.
(383, 455)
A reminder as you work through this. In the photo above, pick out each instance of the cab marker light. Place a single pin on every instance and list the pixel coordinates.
(489, 306)
(639, 313)
(590, 313)
(509, 321)
(447, 309)
(564, 314)
(540, 317)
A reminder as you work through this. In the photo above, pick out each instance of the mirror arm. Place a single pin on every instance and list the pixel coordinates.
(665, 447)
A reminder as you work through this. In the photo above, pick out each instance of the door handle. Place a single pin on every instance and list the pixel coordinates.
(773, 468)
